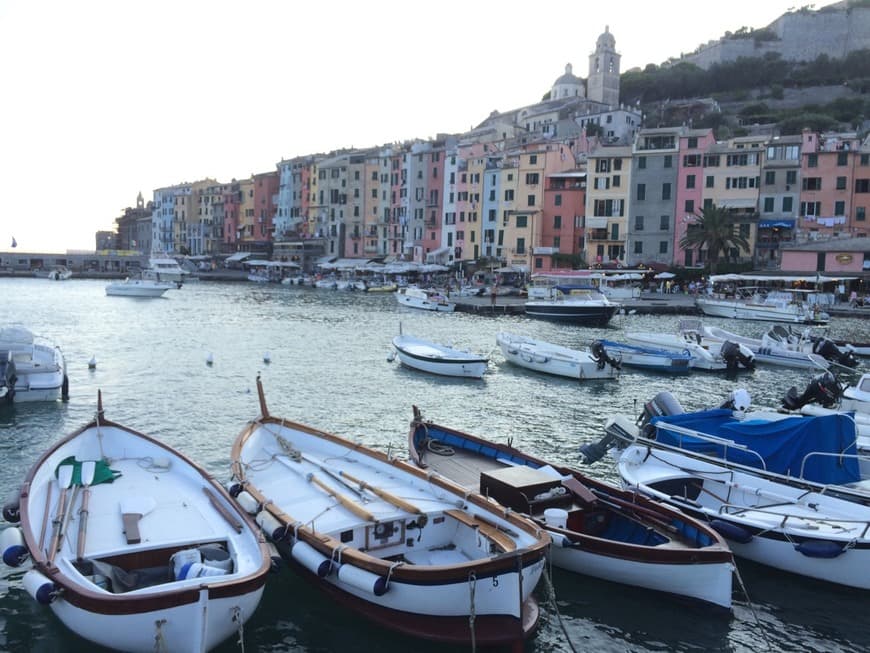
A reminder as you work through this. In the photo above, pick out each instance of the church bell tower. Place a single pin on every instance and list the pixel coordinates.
(603, 82)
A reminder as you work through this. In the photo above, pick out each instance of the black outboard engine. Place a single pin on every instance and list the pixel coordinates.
(664, 403)
(830, 351)
(823, 389)
(599, 353)
(734, 356)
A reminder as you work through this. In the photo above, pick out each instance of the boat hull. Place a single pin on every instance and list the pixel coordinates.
(553, 359)
(793, 314)
(436, 359)
(572, 313)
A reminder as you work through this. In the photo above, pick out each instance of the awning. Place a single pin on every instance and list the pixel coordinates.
(771, 224)
(593, 222)
(238, 256)
(738, 203)
(435, 253)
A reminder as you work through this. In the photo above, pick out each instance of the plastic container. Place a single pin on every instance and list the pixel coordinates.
(182, 558)
(215, 556)
(199, 570)
(556, 517)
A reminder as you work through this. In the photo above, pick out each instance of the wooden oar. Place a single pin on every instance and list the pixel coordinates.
(64, 479)
(348, 503)
(88, 469)
(383, 494)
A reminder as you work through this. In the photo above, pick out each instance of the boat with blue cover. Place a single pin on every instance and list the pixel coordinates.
(652, 359)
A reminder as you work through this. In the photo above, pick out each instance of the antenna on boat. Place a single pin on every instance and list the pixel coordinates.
(264, 412)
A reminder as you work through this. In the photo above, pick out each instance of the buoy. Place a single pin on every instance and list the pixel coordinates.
(39, 587)
(209, 360)
(310, 558)
(92, 364)
(362, 579)
(273, 529)
(391, 357)
(267, 358)
(12, 546)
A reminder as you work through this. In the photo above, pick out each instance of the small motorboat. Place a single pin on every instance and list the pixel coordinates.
(597, 529)
(427, 300)
(138, 287)
(31, 368)
(431, 357)
(574, 305)
(549, 358)
(651, 359)
(134, 546)
(780, 489)
(765, 350)
(411, 551)
(710, 356)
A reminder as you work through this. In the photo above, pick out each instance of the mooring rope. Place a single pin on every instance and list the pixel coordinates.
(237, 617)
(472, 582)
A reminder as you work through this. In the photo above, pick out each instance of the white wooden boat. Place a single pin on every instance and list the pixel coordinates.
(427, 300)
(138, 287)
(779, 491)
(133, 546)
(550, 358)
(651, 359)
(771, 306)
(597, 529)
(411, 551)
(434, 358)
(31, 368)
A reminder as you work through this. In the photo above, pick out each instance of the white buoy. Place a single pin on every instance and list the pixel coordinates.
(39, 587)
(267, 358)
(209, 360)
(92, 364)
(391, 357)
(12, 546)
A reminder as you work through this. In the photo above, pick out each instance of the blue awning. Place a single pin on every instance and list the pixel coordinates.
(770, 224)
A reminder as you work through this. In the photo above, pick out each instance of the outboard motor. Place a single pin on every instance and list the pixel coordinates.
(824, 347)
(824, 389)
(599, 353)
(664, 403)
(739, 401)
(735, 354)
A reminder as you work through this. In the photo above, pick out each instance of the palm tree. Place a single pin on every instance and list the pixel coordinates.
(716, 229)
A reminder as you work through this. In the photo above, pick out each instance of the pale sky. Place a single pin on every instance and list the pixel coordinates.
(100, 100)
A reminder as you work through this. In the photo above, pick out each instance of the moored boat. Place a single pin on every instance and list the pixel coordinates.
(427, 300)
(133, 545)
(435, 358)
(651, 359)
(584, 306)
(138, 287)
(550, 358)
(410, 551)
(31, 368)
(597, 529)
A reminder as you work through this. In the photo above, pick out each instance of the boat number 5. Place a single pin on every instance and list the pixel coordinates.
(495, 581)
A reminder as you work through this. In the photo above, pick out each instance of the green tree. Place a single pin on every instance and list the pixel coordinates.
(716, 230)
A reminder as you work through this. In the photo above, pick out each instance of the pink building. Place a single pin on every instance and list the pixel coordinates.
(561, 230)
(828, 171)
(690, 188)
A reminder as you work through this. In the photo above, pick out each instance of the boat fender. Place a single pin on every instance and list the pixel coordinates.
(12, 545)
(731, 531)
(273, 529)
(362, 579)
(234, 489)
(11, 511)
(248, 503)
(310, 558)
(42, 590)
(277, 562)
(819, 548)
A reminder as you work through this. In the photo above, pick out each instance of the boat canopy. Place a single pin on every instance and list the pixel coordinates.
(784, 445)
(814, 278)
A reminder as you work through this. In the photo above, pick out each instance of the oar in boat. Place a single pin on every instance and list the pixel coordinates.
(88, 469)
(64, 479)
(383, 494)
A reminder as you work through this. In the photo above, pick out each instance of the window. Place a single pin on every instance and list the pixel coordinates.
(617, 164)
(531, 200)
(533, 159)
(862, 185)
(522, 221)
(557, 199)
(709, 182)
(812, 161)
(638, 247)
(669, 161)
(690, 206)
(641, 163)
(690, 181)
(769, 178)
(557, 222)
(842, 158)
(614, 231)
(841, 183)
(787, 204)
(616, 181)
(602, 165)
(666, 191)
(521, 245)
(791, 177)
(860, 214)
(812, 183)
(664, 223)
(638, 223)
(556, 242)
(811, 208)
(532, 178)
(839, 207)
(692, 142)
(663, 247)
(768, 205)
(641, 192)
(509, 195)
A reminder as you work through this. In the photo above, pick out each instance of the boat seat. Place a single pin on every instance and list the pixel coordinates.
(582, 494)
(436, 557)
(500, 539)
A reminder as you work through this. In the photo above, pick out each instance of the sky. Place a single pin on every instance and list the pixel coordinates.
(102, 99)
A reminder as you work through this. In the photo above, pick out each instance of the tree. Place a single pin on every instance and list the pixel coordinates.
(716, 229)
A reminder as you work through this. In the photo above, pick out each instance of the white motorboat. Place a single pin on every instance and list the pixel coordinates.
(597, 529)
(411, 551)
(555, 359)
(585, 306)
(427, 300)
(166, 268)
(31, 368)
(778, 490)
(60, 273)
(810, 341)
(772, 306)
(764, 349)
(133, 546)
(651, 359)
(434, 358)
(717, 357)
(138, 287)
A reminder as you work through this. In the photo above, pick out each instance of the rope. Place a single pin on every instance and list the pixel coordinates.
(551, 600)
(472, 582)
(390, 573)
(752, 607)
(439, 449)
(237, 618)
(159, 641)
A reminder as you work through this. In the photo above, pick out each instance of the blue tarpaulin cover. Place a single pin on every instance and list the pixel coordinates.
(782, 444)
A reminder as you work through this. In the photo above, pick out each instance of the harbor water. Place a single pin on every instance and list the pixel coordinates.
(330, 367)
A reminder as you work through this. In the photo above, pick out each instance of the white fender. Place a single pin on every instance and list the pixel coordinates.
(362, 579)
(248, 503)
(12, 546)
(270, 525)
(310, 558)
(39, 587)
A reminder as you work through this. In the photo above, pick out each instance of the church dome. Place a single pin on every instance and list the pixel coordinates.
(606, 40)
(568, 78)
(568, 85)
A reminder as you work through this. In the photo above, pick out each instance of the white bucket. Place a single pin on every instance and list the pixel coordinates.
(556, 517)
(184, 557)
